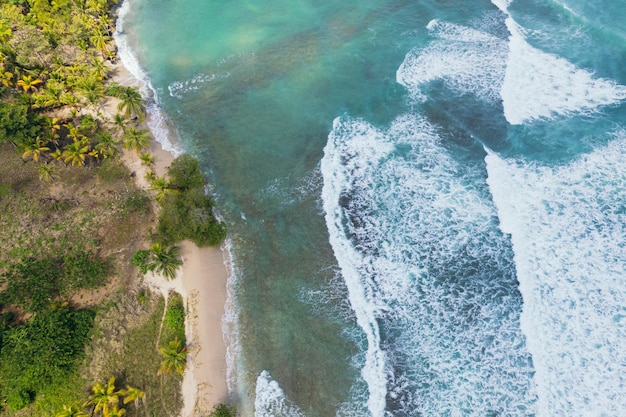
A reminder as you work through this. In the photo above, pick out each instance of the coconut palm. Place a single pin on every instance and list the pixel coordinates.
(51, 95)
(73, 132)
(174, 357)
(98, 69)
(6, 78)
(106, 146)
(120, 121)
(28, 84)
(146, 159)
(73, 410)
(52, 126)
(57, 154)
(150, 175)
(135, 139)
(162, 187)
(164, 260)
(46, 172)
(35, 148)
(76, 152)
(115, 411)
(104, 397)
(100, 41)
(131, 101)
(92, 91)
(70, 99)
(134, 395)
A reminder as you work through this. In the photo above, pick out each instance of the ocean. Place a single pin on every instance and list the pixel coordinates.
(426, 199)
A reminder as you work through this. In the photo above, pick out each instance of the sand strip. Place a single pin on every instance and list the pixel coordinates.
(202, 284)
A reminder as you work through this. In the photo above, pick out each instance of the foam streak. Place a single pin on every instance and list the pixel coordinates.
(568, 226)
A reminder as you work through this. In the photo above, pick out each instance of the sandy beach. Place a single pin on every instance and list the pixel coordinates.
(202, 284)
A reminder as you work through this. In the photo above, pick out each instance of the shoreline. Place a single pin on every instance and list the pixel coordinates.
(202, 280)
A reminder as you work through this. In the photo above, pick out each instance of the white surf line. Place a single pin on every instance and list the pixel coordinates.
(538, 85)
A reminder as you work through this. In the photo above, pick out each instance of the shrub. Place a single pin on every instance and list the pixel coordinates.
(189, 215)
(17, 124)
(175, 315)
(223, 410)
(84, 270)
(18, 399)
(32, 283)
(42, 352)
(140, 260)
(185, 174)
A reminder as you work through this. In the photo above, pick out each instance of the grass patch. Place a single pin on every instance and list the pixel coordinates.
(41, 355)
(175, 316)
(111, 171)
(128, 350)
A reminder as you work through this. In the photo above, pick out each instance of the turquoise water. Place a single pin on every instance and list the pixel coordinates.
(425, 198)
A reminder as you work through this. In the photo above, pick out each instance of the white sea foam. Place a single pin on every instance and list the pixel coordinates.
(539, 85)
(270, 400)
(230, 328)
(338, 167)
(568, 227)
(467, 60)
(409, 233)
(178, 88)
(157, 121)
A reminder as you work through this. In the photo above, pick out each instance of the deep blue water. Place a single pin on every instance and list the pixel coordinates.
(426, 198)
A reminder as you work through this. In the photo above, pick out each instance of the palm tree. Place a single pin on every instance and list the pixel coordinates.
(133, 394)
(71, 100)
(73, 132)
(6, 78)
(174, 357)
(146, 159)
(57, 155)
(28, 84)
(106, 146)
(164, 260)
(104, 396)
(135, 139)
(92, 91)
(73, 410)
(52, 126)
(76, 152)
(35, 148)
(115, 411)
(131, 101)
(100, 41)
(120, 121)
(98, 69)
(161, 187)
(47, 172)
(150, 175)
(52, 94)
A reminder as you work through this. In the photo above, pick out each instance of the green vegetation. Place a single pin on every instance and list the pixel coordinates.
(175, 315)
(33, 284)
(223, 410)
(187, 212)
(56, 245)
(71, 219)
(174, 357)
(128, 349)
(41, 353)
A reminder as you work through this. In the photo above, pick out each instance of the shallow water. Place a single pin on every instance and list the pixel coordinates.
(425, 198)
